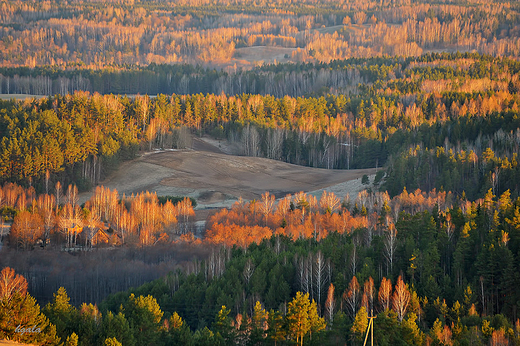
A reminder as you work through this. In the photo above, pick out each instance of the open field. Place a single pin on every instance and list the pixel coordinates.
(261, 54)
(217, 180)
(19, 97)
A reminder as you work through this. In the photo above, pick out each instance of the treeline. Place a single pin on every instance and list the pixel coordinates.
(92, 274)
(141, 321)
(184, 79)
(105, 219)
(459, 72)
(458, 171)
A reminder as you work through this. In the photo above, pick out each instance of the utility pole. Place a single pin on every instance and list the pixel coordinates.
(370, 329)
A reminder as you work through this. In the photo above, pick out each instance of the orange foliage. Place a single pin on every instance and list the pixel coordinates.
(11, 284)
(237, 235)
(27, 229)
(309, 218)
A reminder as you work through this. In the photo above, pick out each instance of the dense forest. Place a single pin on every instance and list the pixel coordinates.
(153, 47)
(444, 121)
(428, 92)
(434, 268)
(92, 35)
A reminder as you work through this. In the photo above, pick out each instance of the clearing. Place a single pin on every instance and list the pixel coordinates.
(217, 180)
(261, 55)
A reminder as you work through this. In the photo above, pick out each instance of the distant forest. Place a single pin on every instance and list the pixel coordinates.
(95, 35)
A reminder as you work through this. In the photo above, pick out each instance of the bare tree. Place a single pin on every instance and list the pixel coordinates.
(250, 141)
(385, 292)
(91, 223)
(69, 221)
(390, 245)
(329, 203)
(319, 275)
(303, 274)
(360, 17)
(267, 205)
(401, 298)
(72, 195)
(369, 292)
(26, 229)
(274, 143)
(249, 269)
(449, 227)
(352, 296)
(283, 206)
(184, 211)
(330, 304)
(58, 195)
(46, 205)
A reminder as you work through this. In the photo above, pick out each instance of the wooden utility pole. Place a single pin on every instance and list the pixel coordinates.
(370, 329)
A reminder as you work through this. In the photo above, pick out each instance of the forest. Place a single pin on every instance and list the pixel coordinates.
(443, 121)
(81, 35)
(425, 92)
(434, 268)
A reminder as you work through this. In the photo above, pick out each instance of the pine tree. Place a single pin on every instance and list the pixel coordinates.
(259, 323)
(223, 325)
(276, 331)
(72, 340)
(302, 317)
(20, 316)
(62, 314)
(144, 315)
(117, 326)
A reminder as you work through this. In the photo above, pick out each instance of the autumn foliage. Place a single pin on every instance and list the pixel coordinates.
(11, 284)
(104, 220)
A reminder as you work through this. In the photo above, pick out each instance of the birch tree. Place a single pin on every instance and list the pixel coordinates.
(390, 243)
(319, 276)
(401, 299)
(385, 293)
(330, 304)
(352, 296)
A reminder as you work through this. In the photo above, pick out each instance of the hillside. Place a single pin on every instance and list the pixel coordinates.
(216, 179)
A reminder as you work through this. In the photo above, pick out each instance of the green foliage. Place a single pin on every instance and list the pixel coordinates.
(144, 316)
(179, 333)
(276, 331)
(62, 314)
(70, 135)
(411, 332)
(116, 326)
(379, 176)
(112, 342)
(22, 321)
(175, 200)
(302, 318)
(223, 325)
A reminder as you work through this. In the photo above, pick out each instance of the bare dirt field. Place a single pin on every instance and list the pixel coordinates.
(217, 180)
